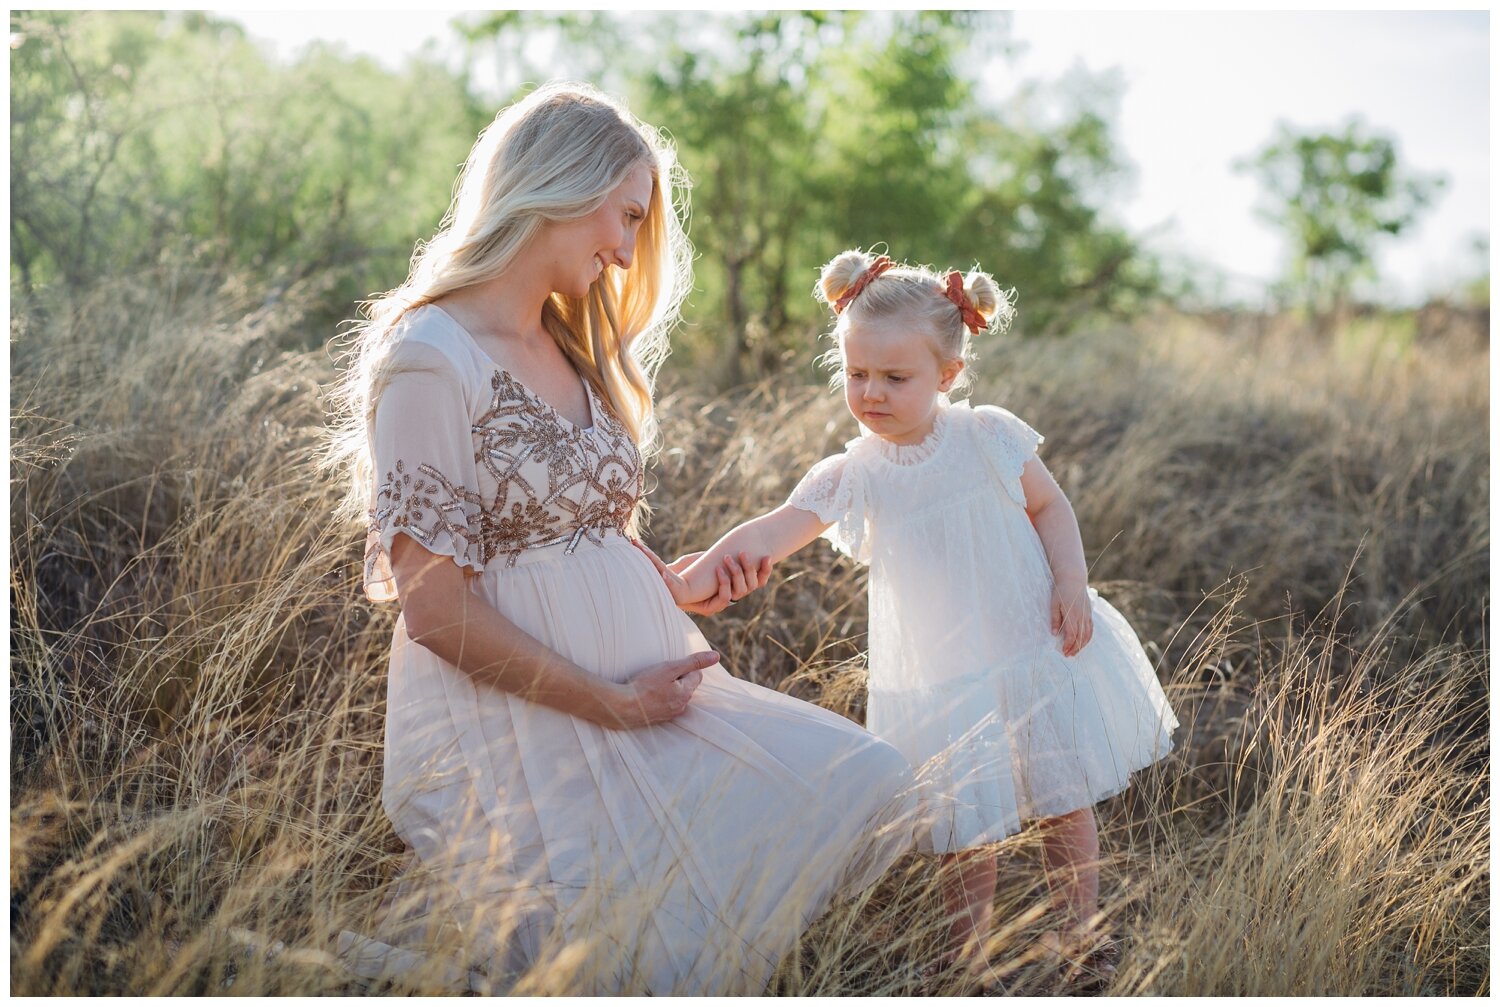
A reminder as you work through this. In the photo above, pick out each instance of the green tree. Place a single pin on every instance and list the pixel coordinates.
(747, 131)
(138, 137)
(809, 132)
(1335, 195)
(143, 137)
(1043, 169)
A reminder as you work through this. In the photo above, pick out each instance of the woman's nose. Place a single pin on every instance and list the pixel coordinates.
(625, 252)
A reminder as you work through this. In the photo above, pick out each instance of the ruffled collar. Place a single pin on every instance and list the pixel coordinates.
(911, 454)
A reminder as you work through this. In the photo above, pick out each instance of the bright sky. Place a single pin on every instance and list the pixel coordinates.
(1197, 91)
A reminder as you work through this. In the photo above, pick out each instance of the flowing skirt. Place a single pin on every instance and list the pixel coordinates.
(684, 858)
(1034, 735)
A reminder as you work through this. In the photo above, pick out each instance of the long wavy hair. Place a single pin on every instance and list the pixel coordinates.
(553, 156)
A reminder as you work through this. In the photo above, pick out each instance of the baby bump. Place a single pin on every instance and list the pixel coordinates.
(603, 606)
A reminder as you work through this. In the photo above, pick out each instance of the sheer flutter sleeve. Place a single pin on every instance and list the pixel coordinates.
(424, 476)
(834, 490)
(1008, 443)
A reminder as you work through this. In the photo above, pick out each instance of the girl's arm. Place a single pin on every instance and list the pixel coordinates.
(736, 578)
(775, 536)
(1057, 526)
(445, 616)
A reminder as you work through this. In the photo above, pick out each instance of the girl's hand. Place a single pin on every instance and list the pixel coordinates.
(1072, 616)
(736, 578)
(676, 585)
(743, 578)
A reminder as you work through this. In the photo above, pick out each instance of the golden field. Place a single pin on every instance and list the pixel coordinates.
(1297, 527)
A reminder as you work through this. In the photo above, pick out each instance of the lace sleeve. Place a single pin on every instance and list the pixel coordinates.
(835, 492)
(1007, 443)
(422, 460)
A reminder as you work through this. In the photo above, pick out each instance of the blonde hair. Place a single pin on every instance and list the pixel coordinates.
(555, 155)
(917, 293)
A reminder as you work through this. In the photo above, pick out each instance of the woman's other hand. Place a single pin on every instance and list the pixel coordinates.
(661, 692)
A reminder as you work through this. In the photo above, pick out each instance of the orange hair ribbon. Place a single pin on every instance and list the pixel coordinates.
(877, 267)
(955, 293)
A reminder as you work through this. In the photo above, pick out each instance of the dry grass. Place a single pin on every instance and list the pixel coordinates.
(1299, 531)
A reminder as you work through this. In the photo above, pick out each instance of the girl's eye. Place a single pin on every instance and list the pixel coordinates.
(897, 379)
(857, 375)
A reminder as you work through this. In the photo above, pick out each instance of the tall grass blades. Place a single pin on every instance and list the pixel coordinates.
(1297, 527)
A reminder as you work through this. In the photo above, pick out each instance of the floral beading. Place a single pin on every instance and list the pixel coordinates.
(537, 479)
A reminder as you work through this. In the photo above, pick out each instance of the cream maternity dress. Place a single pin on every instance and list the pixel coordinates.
(683, 858)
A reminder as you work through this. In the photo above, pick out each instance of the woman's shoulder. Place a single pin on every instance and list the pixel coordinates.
(427, 338)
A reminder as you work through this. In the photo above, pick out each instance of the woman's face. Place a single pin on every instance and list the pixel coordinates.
(574, 253)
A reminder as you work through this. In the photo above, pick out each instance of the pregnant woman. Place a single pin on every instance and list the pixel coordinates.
(591, 803)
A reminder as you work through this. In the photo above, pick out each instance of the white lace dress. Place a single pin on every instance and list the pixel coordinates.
(684, 858)
(966, 678)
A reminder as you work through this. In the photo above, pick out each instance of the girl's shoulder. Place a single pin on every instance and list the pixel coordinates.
(827, 485)
(1004, 442)
(834, 490)
(999, 424)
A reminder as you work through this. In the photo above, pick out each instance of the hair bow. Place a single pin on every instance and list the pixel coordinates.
(877, 267)
(955, 293)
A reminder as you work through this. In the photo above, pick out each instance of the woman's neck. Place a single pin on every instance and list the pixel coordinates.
(505, 307)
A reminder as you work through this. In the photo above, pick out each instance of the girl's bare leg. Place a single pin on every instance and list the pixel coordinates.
(1070, 851)
(969, 895)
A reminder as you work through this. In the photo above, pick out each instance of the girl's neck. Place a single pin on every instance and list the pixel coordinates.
(917, 434)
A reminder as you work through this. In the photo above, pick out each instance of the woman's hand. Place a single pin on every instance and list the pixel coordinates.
(736, 577)
(677, 587)
(1072, 615)
(661, 692)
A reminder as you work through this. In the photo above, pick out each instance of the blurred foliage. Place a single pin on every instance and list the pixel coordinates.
(1336, 194)
(143, 137)
(810, 132)
(138, 137)
(1476, 290)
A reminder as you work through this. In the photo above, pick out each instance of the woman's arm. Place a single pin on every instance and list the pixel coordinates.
(773, 537)
(1057, 526)
(450, 620)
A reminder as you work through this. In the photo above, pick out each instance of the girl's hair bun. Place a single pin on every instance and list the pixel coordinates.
(993, 304)
(841, 273)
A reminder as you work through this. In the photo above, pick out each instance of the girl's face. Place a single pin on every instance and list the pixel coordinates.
(892, 377)
(574, 253)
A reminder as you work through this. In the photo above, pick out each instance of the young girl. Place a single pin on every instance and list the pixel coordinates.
(1021, 693)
